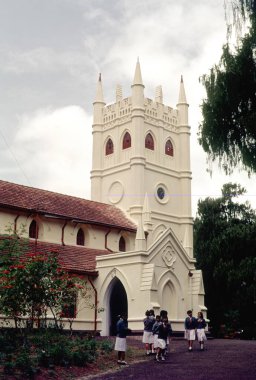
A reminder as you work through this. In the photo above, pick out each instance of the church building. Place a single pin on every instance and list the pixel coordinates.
(133, 241)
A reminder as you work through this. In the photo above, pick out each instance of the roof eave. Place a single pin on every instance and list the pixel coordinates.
(59, 216)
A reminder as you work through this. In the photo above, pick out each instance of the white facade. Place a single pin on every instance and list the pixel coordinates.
(154, 189)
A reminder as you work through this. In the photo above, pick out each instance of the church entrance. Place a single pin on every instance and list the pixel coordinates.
(118, 304)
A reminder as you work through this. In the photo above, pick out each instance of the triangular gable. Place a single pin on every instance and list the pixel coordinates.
(168, 246)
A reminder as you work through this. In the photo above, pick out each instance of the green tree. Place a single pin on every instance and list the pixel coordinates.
(225, 246)
(33, 283)
(228, 129)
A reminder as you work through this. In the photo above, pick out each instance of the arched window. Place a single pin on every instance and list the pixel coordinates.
(33, 230)
(69, 308)
(80, 237)
(109, 147)
(121, 244)
(127, 142)
(149, 142)
(169, 148)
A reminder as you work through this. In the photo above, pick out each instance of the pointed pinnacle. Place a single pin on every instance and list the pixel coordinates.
(137, 75)
(99, 91)
(182, 94)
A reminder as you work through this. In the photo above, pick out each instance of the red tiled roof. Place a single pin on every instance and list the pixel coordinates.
(65, 206)
(72, 258)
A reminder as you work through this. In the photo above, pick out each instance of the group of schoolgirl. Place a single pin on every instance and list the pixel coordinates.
(195, 327)
(157, 331)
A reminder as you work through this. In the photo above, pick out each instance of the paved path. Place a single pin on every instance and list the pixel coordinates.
(222, 360)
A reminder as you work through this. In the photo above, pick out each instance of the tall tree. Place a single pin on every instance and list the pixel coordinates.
(228, 131)
(225, 246)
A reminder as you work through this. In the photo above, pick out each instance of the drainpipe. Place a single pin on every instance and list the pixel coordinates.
(62, 233)
(15, 223)
(96, 302)
(106, 241)
(37, 231)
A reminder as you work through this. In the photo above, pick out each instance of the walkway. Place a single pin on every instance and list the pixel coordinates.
(222, 360)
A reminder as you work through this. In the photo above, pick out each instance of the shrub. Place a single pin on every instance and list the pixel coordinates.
(60, 353)
(106, 346)
(81, 358)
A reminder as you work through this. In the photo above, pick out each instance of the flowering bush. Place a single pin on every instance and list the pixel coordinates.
(32, 284)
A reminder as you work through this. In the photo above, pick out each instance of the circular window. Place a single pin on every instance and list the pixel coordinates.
(160, 193)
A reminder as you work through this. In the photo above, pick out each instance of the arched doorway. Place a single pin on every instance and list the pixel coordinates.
(117, 303)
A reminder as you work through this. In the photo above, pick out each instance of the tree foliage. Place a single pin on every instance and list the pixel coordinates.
(225, 246)
(228, 130)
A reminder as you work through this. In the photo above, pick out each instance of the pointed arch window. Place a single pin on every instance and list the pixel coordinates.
(33, 230)
(69, 309)
(149, 142)
(127, 142)
(80, 237)
(109, 147)
(122, 245)
(169, 148)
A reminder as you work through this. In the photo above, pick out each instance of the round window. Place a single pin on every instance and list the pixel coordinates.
(160, 193)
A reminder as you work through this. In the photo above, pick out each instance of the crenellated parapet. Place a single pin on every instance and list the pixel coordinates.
(117, 113)
(155, 113)
(161, 115)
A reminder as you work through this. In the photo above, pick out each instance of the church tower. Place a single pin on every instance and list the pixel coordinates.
(141, 160)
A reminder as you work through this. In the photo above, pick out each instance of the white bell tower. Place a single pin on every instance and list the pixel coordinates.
(141, 160)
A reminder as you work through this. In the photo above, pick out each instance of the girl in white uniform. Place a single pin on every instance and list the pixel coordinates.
(148, 338)
(200, 329)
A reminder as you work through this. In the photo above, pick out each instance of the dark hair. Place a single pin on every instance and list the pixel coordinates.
(201, 314)
(147, 313)
(163, 313)
(151, 311)
(189, 312)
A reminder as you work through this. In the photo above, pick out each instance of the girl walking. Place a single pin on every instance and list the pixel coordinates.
(164, 331)
(200, 329)
(190, 326)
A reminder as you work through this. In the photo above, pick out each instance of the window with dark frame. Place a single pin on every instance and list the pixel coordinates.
(33, 230)
(69, 309)
(127, 142)
(149, 142)
(80, 237)
(122, 247)
(109, 147)
(169, 148)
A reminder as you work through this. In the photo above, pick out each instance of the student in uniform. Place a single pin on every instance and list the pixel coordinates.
(190, 326)
(155, 330)
(122, 332)
(200, 329)
(164, 331)
(147, 333)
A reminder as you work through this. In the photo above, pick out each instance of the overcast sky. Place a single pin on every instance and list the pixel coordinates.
(51, 52)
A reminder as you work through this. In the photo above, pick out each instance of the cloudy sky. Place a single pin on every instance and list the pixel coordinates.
(51, 52)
